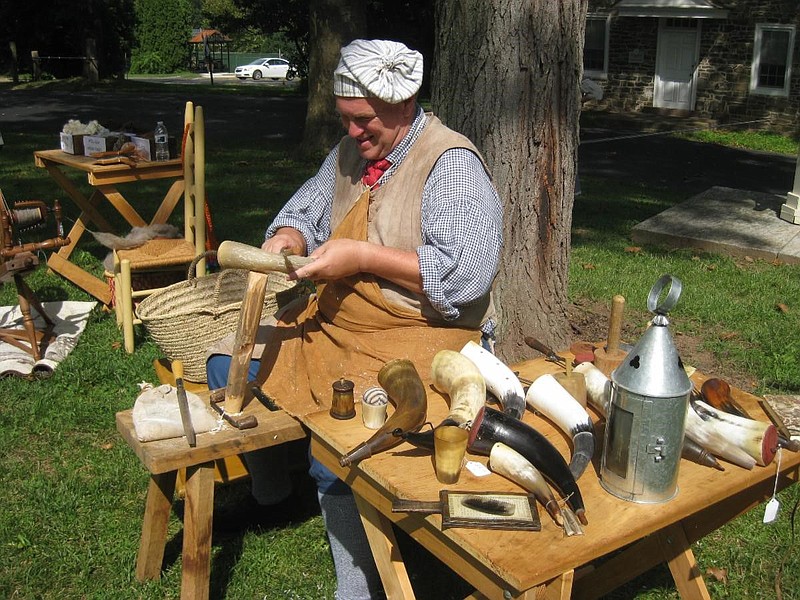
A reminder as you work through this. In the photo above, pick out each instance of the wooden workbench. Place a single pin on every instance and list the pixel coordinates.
(164, 458)
(521, 564)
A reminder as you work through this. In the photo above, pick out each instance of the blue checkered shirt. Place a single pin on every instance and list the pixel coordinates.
(462, 222)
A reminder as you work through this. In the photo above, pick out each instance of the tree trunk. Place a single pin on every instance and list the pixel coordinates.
(333, 23)
(507, 76)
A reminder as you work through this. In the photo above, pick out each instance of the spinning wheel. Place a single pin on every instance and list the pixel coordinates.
(17, 260)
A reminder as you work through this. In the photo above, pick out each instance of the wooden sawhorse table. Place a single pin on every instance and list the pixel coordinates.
(502, 565)
(104, 180)
(164, 458)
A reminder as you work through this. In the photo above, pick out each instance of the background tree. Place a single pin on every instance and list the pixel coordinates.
(507, 75)
(163, 30)
(333, 23)
(56, 28)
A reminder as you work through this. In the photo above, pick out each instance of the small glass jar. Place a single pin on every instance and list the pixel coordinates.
(342, 401)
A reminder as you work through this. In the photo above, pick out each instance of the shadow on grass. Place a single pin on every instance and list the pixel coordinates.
(610, 210)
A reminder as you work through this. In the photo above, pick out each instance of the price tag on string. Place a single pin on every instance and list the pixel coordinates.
(773, 506)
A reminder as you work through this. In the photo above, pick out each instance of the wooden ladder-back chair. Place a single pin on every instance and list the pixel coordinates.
(163, 255)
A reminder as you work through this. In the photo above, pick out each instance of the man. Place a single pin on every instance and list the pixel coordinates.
(405, 229)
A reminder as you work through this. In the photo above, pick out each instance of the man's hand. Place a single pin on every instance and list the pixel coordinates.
(343, 257)
(288, 239)
(333, 260)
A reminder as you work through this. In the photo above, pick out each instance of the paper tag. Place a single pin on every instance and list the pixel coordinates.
(771, 510)
(477, 469)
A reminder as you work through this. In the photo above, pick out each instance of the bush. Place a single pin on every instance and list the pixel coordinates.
(147, 62)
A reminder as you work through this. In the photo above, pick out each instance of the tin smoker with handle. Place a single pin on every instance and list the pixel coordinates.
(649, 395)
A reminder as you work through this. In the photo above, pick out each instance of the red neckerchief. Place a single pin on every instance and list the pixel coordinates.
(374, 170)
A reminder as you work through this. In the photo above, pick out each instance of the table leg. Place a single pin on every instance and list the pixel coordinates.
(86, 281)
(197, 524)
(669, 545)
(682, 564)
(384, 548)
(123, 207)
(86, 205)
(154, 525)
(169, 203)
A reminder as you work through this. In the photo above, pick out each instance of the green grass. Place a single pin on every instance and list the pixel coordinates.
(72, 493)
(752, 140)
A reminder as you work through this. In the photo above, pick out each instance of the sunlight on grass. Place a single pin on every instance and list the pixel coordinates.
(751, 140)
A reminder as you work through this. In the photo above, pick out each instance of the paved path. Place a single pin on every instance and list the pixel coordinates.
(733, 197)
(227, 115)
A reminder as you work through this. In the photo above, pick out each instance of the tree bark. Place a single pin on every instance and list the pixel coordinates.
(507, 75)
(333, 23)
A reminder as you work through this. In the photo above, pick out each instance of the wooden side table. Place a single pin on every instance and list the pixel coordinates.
(104, 181)
(164, 458)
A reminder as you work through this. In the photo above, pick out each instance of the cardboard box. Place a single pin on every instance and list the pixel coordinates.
(99, 143)
(72, 144)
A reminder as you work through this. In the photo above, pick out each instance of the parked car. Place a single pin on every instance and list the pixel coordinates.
(273, 68)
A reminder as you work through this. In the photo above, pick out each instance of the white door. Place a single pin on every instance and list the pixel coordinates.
(676, 63)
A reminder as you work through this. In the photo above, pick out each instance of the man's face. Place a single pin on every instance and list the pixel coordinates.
(375, 125)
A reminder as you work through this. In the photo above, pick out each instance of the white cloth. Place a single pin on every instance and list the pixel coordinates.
(378, 68)
(70, 319)
(157, 415)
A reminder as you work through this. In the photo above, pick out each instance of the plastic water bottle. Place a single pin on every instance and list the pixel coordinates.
(162, 141)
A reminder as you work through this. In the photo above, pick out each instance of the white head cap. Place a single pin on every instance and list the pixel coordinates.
(378, 68)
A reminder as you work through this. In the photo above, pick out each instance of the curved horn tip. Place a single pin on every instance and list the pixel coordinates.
(578, 464)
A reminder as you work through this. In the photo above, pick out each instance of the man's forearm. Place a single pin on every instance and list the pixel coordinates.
(398, 266)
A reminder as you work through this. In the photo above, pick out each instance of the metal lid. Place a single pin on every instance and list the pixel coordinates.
(653, 367)
(343, 385)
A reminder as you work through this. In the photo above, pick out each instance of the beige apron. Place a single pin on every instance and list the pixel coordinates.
(347, 330)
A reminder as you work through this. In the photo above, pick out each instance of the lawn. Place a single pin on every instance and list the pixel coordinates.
(72, 493)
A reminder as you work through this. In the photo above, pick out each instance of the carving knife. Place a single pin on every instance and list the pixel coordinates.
(546, 350)
(183, 403)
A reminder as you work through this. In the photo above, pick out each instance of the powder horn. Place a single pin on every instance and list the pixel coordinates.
(491, 426)
(404, 387)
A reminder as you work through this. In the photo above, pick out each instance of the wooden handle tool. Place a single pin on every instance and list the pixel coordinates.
(607, 359)
(234, 255)
(183, 403)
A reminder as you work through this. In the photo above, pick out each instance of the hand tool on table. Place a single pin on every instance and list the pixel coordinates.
(607, 359)
(183, 403)
(546, 350)
(115, 160)
(234, 255)
(217, 398)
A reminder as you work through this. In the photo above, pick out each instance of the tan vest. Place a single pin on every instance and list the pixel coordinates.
(350, 328)
(395, 211)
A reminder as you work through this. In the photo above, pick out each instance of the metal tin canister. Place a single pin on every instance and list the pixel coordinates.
(646, 417)
(342, 401)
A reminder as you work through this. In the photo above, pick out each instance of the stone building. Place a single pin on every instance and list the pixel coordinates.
(730, 60)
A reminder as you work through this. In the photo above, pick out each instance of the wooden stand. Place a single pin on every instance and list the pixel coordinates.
(164, 458)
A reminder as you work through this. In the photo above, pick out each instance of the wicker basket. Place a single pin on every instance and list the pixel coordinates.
(187, 318)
